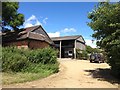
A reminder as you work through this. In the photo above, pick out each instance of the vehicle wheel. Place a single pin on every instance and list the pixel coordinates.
(99, 61)
(90, 61)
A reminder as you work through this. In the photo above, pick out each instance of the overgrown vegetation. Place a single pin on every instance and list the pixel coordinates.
(89, 50)
(24, 61)
(84, 54)
(81, 54)
(105, 21)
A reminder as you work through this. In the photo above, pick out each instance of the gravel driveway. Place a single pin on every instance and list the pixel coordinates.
(75, 74)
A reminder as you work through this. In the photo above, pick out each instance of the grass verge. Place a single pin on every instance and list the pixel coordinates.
(11, 78)
(36, 72)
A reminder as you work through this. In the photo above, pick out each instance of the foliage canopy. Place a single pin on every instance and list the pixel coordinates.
(10, 15)
(105, 22)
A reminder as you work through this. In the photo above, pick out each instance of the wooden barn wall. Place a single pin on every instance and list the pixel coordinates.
(80, 46)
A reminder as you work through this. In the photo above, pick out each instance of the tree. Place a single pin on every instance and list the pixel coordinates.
(89, 50)
(10, 15)
(105, 22)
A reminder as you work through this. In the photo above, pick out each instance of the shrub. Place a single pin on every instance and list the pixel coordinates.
(79, 54)
(13, 59)
(16, 60)
(90, 50)
(44, 56)
(82, 54)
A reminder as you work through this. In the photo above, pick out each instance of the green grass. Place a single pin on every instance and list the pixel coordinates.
(11, 78)
(33, 72)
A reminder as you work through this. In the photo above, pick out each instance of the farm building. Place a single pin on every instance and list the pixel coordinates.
(31, 37)
(67, 45)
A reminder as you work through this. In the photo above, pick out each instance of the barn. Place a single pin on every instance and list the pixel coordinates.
(67, 45)
(31, 37)
(36, 37)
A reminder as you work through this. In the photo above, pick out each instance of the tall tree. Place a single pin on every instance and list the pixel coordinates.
(10, 15)
(105, 22)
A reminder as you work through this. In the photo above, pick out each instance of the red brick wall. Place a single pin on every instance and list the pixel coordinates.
(19, 44)
(33, 44)
(37, 44)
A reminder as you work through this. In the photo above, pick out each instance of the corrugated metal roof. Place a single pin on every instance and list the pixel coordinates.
(66, 38)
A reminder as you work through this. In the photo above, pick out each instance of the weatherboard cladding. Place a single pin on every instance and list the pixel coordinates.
(76, 37)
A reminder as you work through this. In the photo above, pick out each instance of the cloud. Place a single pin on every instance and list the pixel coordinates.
(38, 23)
(32, 21)
(66, 30)
(33, 17)
(41, 17)
(90, 43)
(63, 32)
(28, 25)
(56, 34)
(44, 20)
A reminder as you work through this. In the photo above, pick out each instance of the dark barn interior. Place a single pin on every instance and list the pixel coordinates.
(66, 45)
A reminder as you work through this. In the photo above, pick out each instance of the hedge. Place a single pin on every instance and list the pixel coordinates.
(17, 60)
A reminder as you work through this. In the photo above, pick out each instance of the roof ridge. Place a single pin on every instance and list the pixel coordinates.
(32, 26)
(66, 36)
(28, 34)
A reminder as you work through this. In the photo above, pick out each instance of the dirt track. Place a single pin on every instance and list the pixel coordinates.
(75, 74)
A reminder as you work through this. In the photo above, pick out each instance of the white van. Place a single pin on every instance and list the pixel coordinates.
(70, 53)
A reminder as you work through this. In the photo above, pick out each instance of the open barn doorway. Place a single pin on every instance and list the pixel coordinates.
(67, 52)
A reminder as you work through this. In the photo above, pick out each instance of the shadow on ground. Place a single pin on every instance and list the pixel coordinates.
(103, 75)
